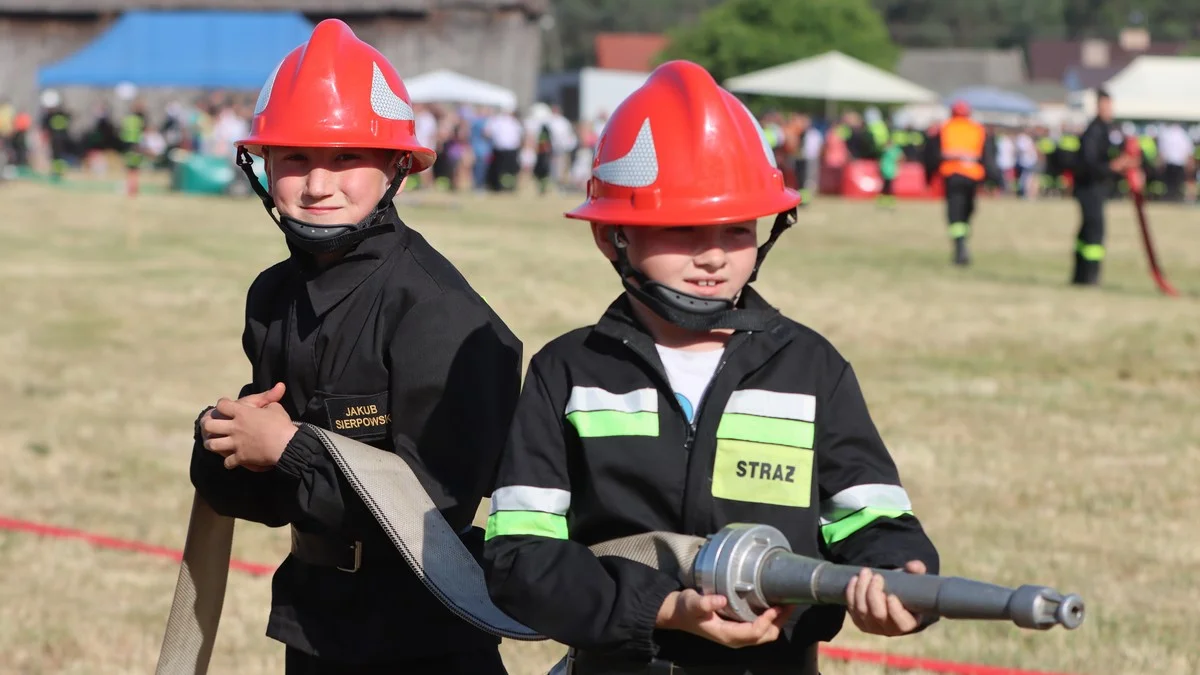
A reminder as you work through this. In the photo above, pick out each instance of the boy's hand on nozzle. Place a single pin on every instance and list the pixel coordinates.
(691, 612)
(876, 612)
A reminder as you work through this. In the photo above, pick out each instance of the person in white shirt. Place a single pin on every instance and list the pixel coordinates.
(812, 143)
(1027, 161)
(1006, 161)
(506, 134)
(565, 143)
(1176, 150)
(226, 131)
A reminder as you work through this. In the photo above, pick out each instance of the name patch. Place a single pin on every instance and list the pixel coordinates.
(359, 417)
(762, 473)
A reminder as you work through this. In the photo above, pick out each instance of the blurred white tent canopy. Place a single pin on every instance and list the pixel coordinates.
(832, 76)
(1156, 88)
(448, 86)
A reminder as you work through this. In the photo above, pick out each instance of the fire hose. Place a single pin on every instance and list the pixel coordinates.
(752, 565)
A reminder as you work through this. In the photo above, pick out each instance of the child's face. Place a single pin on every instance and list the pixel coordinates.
(329, 186)
(712, 261)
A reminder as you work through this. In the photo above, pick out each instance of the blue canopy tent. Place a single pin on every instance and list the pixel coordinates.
(193, 49)
(227, 50)
(991, 99)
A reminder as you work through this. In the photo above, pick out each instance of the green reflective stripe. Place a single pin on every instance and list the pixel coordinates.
(600, 423)
(959, 230)
(535, 523)
(832, 533)
(766, 430)
(1094, 252)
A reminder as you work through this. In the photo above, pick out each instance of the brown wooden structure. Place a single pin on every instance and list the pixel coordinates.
(495, 40)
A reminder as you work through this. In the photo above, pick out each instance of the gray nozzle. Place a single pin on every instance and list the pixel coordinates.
(753, 566)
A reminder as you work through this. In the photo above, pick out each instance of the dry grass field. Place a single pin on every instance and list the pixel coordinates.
(1046, 434)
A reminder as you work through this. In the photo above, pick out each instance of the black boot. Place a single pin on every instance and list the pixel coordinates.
(1087, 272)
(961, 256)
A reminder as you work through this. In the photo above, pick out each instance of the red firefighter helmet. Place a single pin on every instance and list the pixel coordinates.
(683, 151)
(336, 91)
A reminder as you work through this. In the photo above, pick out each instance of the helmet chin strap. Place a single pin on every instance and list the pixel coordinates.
(318, 239)
(693, 312)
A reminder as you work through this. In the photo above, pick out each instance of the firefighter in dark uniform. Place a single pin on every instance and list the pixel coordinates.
(963, 154)
(367, 331)
(858, 140)
(1097, 166)
(1066, 155)
(690, 405)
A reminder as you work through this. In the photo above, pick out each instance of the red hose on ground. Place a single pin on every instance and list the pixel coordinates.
(893, 661)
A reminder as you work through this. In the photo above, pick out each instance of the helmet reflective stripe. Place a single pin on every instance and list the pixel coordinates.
(384, 101)
(638, 168)
(264, 96)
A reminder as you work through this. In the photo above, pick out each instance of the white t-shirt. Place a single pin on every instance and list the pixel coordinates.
(505, 132)
(689, 373)
(1006, 152)
(1174, 146)
(426, 129)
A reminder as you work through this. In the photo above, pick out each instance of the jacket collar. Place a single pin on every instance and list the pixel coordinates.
(620, 323)
(326, 287)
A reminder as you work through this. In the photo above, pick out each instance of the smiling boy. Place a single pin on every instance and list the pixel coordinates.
(367, 331)
(690, 405)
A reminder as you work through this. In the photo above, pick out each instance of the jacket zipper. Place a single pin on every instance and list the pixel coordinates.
(734, 343)
(692, 425)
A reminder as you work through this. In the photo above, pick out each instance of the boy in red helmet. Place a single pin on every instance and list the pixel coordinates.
(367, 331)
(657, 417)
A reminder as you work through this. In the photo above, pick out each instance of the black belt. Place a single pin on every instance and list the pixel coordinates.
(341, 554)
(585, 663)
(350, 556)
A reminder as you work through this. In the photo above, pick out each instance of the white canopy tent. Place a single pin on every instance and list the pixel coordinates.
(831, 77)
(447, 86)
(1156, 88)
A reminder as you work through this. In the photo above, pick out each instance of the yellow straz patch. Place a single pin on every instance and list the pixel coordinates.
(762, 473)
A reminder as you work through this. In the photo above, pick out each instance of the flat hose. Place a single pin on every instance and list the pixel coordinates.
(430, 547)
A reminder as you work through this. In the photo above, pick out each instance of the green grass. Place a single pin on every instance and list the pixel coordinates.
(1047, 434)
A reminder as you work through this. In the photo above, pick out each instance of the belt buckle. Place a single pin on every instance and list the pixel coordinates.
(357, 559)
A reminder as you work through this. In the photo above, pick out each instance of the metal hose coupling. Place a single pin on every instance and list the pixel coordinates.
(754, 567)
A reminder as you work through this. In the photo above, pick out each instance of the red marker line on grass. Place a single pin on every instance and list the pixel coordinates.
(102, 541)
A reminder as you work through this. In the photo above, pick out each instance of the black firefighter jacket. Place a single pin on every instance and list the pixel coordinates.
(392, 347)
(600, 449)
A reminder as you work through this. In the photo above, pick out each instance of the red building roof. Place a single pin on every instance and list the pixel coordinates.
(628, 51)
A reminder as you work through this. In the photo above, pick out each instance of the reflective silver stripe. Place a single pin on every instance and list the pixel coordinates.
(637, 168)
(264, 95)
(591, 399)
(765, 403)
(859, 497)
(384, 101)
(527, 498)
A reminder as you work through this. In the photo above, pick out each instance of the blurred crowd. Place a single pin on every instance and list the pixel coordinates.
(479, 148)
(1033, 161)
(484, 148)
(497, 150)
